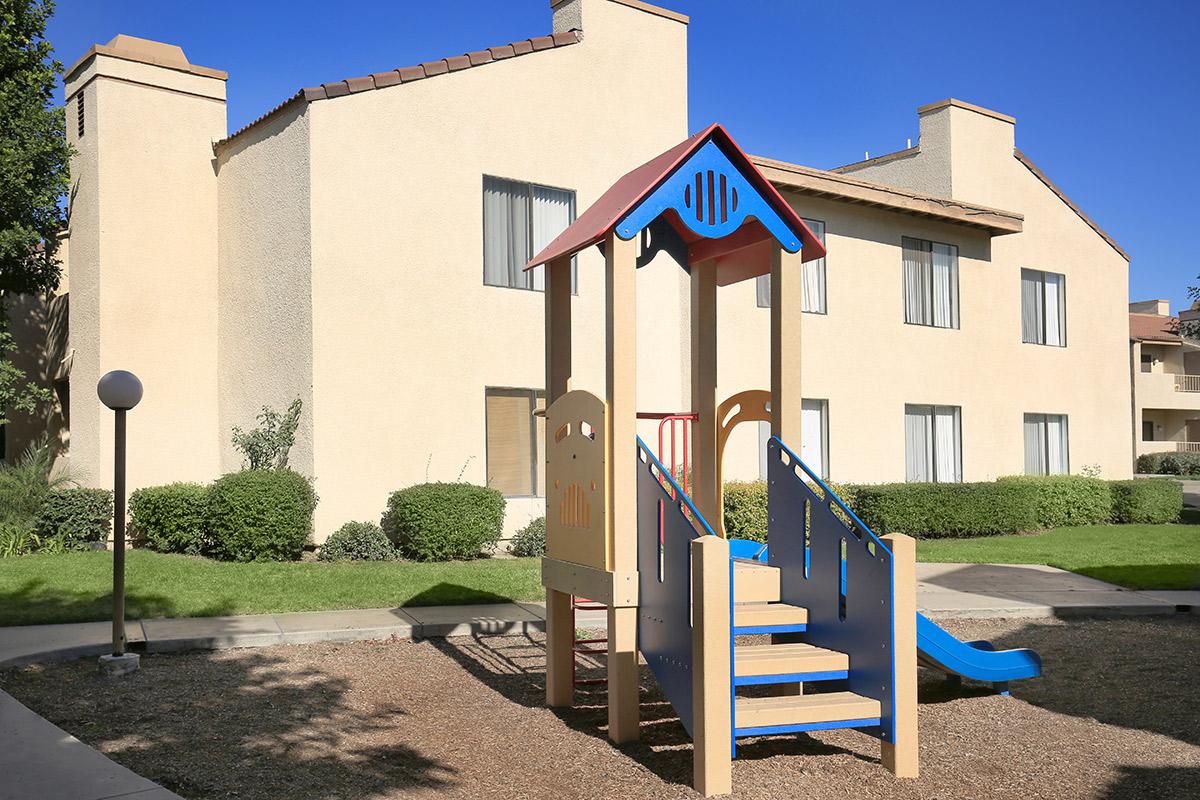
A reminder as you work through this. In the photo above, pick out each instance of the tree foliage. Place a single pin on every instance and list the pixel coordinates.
(267, 446)
(34, 154)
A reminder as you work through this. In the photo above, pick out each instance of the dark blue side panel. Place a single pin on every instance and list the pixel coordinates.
(664, 551)
(940, 649)
(850, 614)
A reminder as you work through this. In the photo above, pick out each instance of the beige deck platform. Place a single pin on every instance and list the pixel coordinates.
(786, 659)
(758, 712)
(763, 614)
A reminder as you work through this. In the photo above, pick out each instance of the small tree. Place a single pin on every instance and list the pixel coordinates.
(1191, 329)
(267, 446)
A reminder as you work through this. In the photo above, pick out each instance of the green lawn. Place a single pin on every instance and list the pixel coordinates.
(77, 587)
(1135, 556)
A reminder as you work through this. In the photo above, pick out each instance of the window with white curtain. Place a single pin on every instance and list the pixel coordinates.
(930, 283)
(814, 438)
(1046, 446)
(933, 443)
(1043, 308)
(516, 441)
(814, 278)
(519, 220)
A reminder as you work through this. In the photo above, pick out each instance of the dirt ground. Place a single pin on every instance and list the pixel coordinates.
(1116, 716)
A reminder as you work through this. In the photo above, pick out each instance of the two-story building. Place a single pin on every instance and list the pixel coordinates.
(1166, 380)
(361, 245)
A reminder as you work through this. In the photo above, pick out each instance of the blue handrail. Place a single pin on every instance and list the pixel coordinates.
(679, 495)
(830, 494)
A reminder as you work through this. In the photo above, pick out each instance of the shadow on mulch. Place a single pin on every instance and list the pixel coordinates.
(662, 734)
(291, 733)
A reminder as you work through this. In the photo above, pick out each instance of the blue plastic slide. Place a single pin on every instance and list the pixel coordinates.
(980, 661)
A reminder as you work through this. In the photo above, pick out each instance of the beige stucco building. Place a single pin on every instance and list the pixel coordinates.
(360, 245)
(1166, 379)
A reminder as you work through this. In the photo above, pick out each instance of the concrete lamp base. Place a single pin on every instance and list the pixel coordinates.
(116, 666)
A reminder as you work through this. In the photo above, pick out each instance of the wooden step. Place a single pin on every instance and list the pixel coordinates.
(788, 659)
(755, 583)
(769, 618)
(804, 712)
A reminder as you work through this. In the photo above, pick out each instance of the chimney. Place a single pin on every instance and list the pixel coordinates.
(1160, 307)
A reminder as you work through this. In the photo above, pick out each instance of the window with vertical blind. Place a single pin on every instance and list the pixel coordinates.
(1046, 445)
(519, 220)
(814, 278)
(933, 443)
(1043, 308)
(814, 438)
(516, 442)
(930, 283)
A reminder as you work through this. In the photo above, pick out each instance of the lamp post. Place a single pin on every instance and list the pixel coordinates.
(120, 391)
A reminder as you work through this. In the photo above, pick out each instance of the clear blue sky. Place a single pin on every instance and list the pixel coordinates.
(1105, 94)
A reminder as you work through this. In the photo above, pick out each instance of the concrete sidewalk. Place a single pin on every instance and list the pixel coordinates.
(943, 590)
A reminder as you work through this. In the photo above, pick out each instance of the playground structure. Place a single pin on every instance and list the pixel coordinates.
(623, 531)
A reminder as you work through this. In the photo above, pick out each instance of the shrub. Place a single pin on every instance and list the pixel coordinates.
(745, 508)
(171, 518)
(260, 515)
(25, 482)
(357, 541)
(1063, 500)
(267, 446)
(76, 516)
(16, 539)
(531, 540)
(936, 510)
(1169, 464)
(444, 521)
(1147, 500)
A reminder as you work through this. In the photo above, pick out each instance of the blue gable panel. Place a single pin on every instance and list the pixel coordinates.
(712, 198)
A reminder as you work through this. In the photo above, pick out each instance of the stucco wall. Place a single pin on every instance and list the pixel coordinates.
(406, 336)
(143, 259)
(264, 283)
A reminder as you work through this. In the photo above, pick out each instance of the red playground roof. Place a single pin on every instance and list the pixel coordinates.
(740, 254)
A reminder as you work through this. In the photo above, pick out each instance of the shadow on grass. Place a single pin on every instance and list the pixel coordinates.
(36, 603)
(1147, 576)
(250, 725)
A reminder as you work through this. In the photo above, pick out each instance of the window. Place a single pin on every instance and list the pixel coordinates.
(1043, 308)
(79, 113)
(516, 442)
(519, 220)
(814, 438)
(930, 283)
(933, 443)
(1046, 444)
(814, 278)
(1147, 362)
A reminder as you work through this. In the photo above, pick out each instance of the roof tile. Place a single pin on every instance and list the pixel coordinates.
(502, 52)
(478, 57)
(310, 94)
(456, 63)
(1153, 328)
(522, 47)
(435, 67)
(565, 37)
(360, 84)
(383, 79)
(338, 89)
(542, 42)
(411, 73)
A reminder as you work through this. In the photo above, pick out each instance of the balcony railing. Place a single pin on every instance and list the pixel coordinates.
(1187, 383)
(1187, 447)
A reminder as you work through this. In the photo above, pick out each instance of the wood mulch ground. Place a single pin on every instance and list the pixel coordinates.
(1116, 716)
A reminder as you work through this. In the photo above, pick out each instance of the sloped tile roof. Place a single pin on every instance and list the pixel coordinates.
(428, 69)
(1154, 328)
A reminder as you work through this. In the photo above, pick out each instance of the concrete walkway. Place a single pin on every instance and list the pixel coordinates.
(943, 590)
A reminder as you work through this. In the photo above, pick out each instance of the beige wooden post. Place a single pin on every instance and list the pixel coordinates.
(703, 484)
(712, 714)
(901, 756)
(560, 629)
(787, 300)
(620, 258)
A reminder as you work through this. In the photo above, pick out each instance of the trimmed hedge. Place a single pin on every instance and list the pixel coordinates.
(77, 517)
(1169, 464)
(260, 515)
(1066, 500)
(745, 509)
(358, 541)
(938, 510)
(1147, 500)
(530, 541)
(444, 521)
(171, 518)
